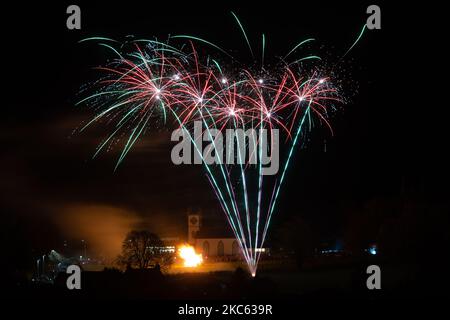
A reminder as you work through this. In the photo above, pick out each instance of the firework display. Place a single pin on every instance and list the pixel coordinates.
(201, 159)
(152, 83)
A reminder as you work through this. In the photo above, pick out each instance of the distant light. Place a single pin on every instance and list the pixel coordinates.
(253, 274)
(261, 81)
(373, 251)
(224, 80)
(321, 80)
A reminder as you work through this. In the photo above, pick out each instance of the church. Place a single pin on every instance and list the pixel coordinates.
(211, 241)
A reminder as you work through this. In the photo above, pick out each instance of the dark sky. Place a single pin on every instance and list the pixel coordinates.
(49, 179)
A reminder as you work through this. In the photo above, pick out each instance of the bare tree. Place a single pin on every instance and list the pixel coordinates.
(143, 249)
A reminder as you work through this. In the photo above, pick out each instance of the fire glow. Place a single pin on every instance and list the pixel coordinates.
(191, 259)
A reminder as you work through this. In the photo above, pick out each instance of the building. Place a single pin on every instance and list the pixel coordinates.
(210, 241)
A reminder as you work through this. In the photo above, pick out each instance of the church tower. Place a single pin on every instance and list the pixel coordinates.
(194, 225)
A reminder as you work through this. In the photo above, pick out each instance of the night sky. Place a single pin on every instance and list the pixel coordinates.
(385, 143)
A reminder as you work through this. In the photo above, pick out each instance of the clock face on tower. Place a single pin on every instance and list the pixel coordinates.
(193, 220)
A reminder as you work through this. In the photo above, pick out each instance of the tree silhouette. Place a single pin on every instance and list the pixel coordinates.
(143, 249)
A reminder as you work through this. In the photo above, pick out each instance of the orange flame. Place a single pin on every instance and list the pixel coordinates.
(191, 259)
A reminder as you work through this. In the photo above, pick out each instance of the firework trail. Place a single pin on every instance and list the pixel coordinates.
(156, 83)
